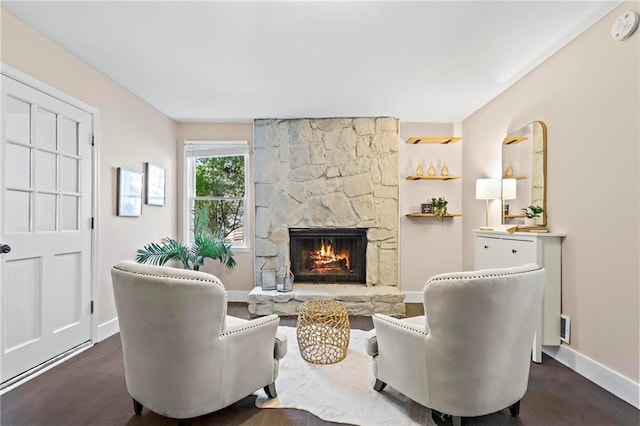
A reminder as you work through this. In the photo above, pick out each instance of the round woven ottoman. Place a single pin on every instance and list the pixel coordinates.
(323, 331)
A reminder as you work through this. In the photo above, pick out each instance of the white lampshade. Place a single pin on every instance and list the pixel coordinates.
(509, 189)
(488, 189)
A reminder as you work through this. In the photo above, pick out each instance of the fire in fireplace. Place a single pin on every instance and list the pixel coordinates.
(328, 255)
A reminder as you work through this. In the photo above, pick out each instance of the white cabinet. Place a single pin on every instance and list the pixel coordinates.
(496, 249)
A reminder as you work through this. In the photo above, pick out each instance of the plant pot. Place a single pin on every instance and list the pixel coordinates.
(529, 221)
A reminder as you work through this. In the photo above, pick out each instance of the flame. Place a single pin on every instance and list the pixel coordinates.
(326, 256)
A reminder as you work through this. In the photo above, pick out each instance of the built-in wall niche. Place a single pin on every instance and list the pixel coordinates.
(524, 159)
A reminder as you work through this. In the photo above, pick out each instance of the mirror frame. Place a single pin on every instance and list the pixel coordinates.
(538, 142)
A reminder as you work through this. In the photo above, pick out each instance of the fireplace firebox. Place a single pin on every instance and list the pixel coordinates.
(328, 255)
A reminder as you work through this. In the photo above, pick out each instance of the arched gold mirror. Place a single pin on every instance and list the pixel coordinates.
(524, 172)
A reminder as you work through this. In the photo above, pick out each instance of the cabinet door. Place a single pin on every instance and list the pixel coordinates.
(487, 252)
(517, 252)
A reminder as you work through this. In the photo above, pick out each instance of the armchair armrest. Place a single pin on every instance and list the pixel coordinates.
(280, 349)
(399, 338)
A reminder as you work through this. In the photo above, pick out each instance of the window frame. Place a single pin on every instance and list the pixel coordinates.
(199, 149)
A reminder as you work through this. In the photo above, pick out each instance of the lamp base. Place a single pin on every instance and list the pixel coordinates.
(487, 228)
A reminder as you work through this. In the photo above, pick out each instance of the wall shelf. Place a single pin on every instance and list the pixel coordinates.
(514, 216)
(430, 139)
(414, 177)
(513, 139)
(432, 215)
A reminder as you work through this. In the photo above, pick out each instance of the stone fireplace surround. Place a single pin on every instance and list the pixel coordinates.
(326, 173)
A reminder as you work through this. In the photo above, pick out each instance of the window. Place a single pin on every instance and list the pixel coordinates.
(216, 176)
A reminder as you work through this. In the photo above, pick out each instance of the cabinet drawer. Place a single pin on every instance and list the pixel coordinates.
(516, 253)
(487, 252)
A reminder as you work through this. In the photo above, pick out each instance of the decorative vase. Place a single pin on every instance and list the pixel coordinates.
(419, 170)
(509, 172)
(445, 170)
(432, 170)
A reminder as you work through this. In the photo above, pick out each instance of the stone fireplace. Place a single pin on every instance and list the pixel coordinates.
(328, 174)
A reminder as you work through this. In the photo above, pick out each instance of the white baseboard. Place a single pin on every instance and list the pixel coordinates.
(237, 296)
(107, 329)
(413, 297)
(614, 382)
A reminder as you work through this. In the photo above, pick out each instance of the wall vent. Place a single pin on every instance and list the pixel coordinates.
(565, 328)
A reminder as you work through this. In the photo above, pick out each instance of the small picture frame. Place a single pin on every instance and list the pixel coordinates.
(426, 208)
(155, 178)
(129, 193)
(506, 209)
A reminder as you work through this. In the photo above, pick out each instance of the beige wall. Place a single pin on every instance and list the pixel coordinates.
(588, 94)
(131, 132)
(241, 277)
(428, 246)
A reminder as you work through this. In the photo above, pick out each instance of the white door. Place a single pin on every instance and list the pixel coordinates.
(45, 219)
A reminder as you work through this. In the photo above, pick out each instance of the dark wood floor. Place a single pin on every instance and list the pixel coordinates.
(89, 390)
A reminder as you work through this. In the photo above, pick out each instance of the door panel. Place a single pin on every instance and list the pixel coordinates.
(45, 212)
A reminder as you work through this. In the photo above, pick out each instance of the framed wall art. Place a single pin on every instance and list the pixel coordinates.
(155, 181)
(129, 193)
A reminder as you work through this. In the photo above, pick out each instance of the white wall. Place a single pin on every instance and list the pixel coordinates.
(588, 94)
(131, 132)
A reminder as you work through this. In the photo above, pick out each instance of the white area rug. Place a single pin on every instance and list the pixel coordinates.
(341, 392)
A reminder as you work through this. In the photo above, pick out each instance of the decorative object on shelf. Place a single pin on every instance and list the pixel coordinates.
(155, 182)
(531, 213)
(419, 171)
(431, 171)
(445, 170)
(508, 193)
(129, 193)
(426, 208)
(509, 172)
(268, 275)
(285, 279)
(488, 189)
(439, 207)
(204, 246)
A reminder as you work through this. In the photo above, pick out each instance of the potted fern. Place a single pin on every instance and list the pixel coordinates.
(204, 245)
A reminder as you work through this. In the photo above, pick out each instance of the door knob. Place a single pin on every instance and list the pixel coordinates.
(514, 251)
(5, 248)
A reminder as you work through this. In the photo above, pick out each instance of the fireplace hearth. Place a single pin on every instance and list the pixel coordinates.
(328, 255)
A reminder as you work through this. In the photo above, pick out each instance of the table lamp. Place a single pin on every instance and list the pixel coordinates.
(488, 189)
(508, 193)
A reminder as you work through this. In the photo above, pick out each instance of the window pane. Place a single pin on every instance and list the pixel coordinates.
(225, 217)
(220, 176)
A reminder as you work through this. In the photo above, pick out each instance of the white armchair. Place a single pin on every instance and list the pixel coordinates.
(183, 356)
(470, 354)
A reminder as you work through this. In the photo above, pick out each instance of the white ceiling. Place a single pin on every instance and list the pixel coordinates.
(236, 61)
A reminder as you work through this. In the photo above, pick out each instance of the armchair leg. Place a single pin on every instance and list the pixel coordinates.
(445, 419)
(137, 407)
(515, 409)
(270, 390)
(379, 385)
